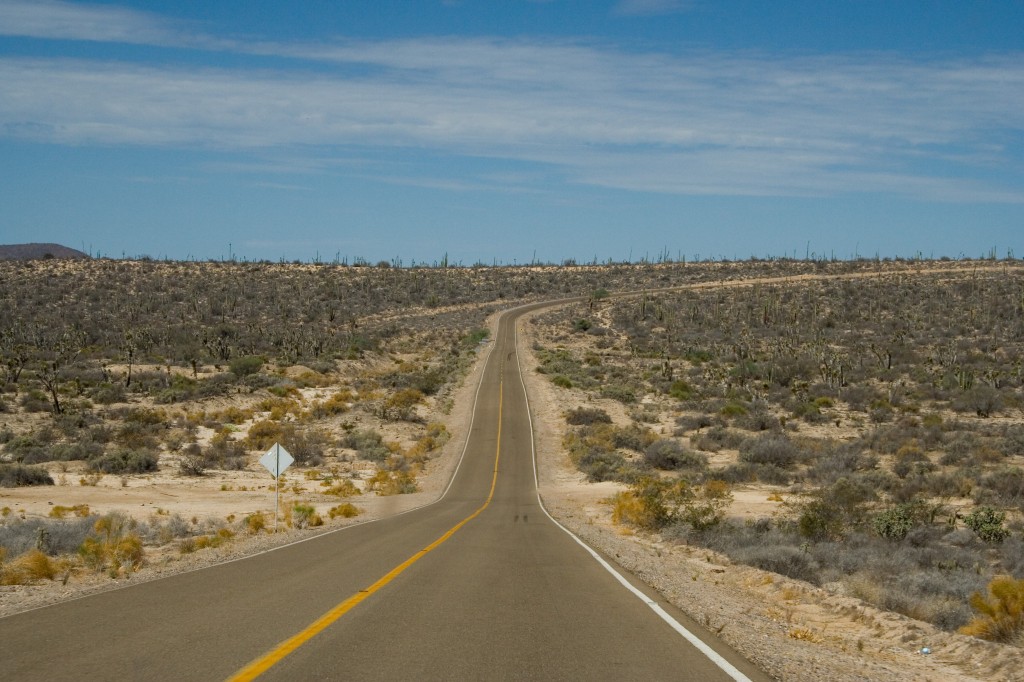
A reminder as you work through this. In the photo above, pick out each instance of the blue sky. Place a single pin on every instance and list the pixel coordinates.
(507, 131)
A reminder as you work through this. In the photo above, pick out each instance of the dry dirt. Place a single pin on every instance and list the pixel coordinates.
(793, 630)
(226, 495)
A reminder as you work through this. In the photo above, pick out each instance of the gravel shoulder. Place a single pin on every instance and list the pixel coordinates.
(791, 629)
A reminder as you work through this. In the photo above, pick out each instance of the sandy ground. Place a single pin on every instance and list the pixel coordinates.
(793, 630)
(222, 495)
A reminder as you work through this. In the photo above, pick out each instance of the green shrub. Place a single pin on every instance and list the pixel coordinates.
(744, 472)
(810, 412)
(715, 438)
(368, 444)
(27, 450)
(733, 408)
(245, 365)
(987, 524)
(124, 462)
(65, 452)
(774, 449)
(704, 506)
(182, 388)
(585, 416)
(561, 381)
(910, 458)
(820, 520)
(983, 400)
(784, 560)
(15, 475)
(35, 400)
(698, 356)
(894, 523)
(305, 516)
(623, 394)
(192, 461)
(166, 529)
(601, 465)
(681, 390)
(633, 437)
(473, 338)
(225, 452)
(109, 393)
(671, 455)
(307, 447)
(1004, 486)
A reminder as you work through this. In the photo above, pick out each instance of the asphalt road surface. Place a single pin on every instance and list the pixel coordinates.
(481, 585)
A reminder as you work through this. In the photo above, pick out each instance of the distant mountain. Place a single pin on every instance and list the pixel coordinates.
(34, 251)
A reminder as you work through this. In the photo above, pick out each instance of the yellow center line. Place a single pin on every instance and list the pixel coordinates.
(278, 653)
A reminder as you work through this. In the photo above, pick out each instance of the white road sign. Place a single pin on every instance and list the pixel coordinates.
(276, 460)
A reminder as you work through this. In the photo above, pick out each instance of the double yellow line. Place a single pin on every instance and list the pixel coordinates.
(278, 653)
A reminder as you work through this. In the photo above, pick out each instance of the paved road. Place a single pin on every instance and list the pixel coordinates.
(479, 586)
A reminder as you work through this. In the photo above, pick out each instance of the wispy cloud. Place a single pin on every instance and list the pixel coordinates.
(651, 7)
(700, 123)
(66, 21)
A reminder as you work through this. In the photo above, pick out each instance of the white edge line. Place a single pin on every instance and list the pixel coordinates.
(698, 643)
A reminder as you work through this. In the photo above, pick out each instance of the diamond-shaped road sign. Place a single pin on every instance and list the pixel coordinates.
(276, 460)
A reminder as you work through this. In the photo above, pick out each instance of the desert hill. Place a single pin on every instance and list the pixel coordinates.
(34, 251)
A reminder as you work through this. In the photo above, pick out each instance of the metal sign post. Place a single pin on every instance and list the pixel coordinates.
(276, 460)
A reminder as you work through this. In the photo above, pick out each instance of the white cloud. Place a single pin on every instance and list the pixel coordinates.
(651, 7)
(722, 123)
(66, 21)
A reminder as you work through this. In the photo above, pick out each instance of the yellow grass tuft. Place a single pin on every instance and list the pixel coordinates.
(114, 545)
(60, 511)
(804, 635)
(256, 522)
(346, 511)
(36, 565)
(1000, 612)
(345, 488)
(392, 482)
(627, 508)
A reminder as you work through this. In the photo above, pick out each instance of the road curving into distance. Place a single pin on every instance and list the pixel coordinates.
(480, 585)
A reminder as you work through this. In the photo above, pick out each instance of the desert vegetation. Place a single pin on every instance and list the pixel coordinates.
(881, 417)
(878, 409)
(123, 374)
(117, 372)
